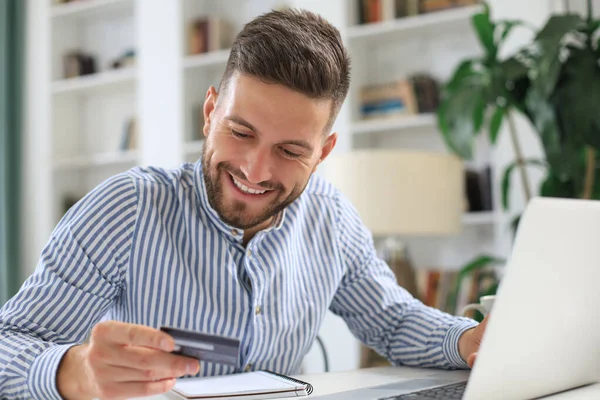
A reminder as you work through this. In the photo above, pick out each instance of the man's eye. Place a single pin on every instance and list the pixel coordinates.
(290, 154)
(239, 134)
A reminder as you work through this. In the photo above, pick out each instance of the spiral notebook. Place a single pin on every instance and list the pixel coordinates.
(244, 386)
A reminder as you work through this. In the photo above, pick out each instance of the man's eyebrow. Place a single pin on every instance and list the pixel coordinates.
(241, 121)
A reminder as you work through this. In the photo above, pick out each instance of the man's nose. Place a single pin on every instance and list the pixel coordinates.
(257, 167)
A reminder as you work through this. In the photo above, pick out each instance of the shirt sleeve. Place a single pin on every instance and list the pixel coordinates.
(383, 315)
(79, 274)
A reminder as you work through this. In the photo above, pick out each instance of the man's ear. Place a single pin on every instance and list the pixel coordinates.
(327, 147)
(210, 103)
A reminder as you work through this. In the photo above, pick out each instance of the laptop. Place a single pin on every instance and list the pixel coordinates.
(543, 335)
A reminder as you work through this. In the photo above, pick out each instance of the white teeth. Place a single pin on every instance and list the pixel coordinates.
(246, 189)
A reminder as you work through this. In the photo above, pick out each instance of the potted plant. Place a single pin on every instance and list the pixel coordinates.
(554, 81)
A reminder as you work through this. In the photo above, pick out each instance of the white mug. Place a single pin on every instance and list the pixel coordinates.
(484, 306)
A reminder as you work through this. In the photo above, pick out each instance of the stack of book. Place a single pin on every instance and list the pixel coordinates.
(417, 95)
(370, 11)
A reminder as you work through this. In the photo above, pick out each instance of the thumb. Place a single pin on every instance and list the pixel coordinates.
(471, 360)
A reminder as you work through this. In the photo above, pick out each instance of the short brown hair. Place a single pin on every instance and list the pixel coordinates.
(295, 48)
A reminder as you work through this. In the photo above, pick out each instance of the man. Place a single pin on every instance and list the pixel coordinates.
(244, 243)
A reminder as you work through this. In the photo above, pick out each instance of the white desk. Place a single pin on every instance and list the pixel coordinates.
(343, 381)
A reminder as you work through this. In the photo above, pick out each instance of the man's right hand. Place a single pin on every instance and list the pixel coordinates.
(122, 361)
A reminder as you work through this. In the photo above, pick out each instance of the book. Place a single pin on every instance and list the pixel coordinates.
(388, 100)
(245, 386)
(208, 34)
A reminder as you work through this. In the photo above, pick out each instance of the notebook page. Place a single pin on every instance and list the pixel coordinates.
(244, 383)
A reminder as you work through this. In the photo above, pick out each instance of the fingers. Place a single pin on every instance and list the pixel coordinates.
(144, 359)
(471, 360)
(138, 389)
(133, 335)
(110, 374)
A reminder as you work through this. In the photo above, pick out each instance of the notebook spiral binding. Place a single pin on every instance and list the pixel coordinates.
(309, 388)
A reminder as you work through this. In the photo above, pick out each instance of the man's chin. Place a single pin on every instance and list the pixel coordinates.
(242, 219)
(243, 223)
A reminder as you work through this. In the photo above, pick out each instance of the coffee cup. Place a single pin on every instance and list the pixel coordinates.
(484, 306)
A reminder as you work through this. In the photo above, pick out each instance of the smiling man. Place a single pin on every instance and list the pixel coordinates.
(245, 243)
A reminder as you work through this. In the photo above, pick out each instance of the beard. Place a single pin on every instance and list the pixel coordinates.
(237, 214)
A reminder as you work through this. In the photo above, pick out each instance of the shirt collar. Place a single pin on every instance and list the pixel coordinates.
(232, 232)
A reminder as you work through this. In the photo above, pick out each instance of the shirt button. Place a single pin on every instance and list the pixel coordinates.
(258, 310)
(234, 232)
(248, 368)
(249, 253)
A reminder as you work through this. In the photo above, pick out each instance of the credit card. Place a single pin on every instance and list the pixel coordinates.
(204, 347)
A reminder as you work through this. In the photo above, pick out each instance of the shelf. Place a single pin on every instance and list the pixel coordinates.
(479, 218)
(97, 160)
(366, 31)
(193, 147)
(214, 58)
(93, 82)
(394, 124)
(90, 8)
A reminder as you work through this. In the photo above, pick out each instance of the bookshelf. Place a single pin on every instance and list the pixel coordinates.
(89, 8)
(418, 24)
(479, 218)
(368, 127)
(87, 84)
(77, 124)
(211, 59)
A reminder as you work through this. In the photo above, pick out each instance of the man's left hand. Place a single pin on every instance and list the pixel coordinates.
(469, 342)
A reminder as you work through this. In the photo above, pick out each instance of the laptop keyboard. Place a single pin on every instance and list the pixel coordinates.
(448, 392)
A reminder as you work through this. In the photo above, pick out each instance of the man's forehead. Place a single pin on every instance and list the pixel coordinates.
(274, 106)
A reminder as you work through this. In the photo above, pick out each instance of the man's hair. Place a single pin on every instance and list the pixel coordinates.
(295, 48)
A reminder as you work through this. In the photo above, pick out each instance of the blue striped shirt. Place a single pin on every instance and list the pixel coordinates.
(146, 247)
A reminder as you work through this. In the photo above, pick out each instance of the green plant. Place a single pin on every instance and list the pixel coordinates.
(554, 81)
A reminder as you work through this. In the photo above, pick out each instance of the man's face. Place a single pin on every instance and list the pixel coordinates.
(263, 141)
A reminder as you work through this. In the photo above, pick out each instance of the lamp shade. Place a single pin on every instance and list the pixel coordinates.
(401, 192)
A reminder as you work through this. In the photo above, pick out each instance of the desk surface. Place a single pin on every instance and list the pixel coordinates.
(337, 382)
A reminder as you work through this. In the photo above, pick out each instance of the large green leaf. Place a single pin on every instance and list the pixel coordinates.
(484, 28)
(506, 178)
(544, 119)
(496, 123)
(552, 186)
(513, 69)
(558, 26)
(547, 67)
(463, 73)
(577, 97)
(458, 119)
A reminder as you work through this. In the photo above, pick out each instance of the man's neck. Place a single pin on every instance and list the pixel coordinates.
(250, 233)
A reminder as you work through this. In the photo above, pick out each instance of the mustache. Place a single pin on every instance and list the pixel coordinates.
(267, 185)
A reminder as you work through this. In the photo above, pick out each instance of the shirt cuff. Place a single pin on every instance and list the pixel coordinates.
(450, 345)
(43, 372)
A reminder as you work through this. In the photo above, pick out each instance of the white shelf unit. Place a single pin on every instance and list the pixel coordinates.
(88, 114)
(78, 124)
(414, 24)
(87, 84)
(394, 124)
(479, 218)
(391, 50)
(211, 59)
(90, 8)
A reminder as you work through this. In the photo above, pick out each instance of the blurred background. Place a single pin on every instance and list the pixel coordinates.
(90, 88)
